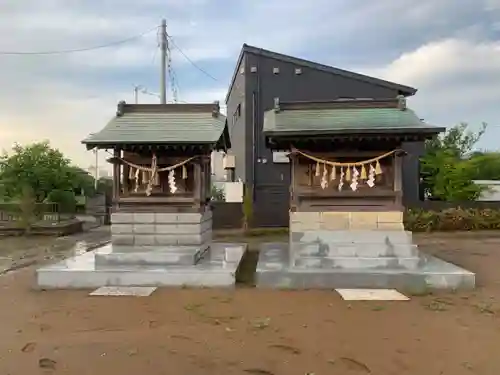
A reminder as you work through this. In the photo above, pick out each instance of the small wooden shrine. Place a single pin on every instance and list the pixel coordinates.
(346, 219)
(346, 155)
(161, 155)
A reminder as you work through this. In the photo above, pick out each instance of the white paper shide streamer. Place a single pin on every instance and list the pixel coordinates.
(371, 176)
(354, 180)
(171, 181)
(341, 179)
(324, 178)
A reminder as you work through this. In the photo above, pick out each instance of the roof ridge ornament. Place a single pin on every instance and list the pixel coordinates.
(276, 104)
(120, 108)
(401, 102)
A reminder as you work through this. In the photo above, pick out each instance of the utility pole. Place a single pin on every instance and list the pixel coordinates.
(136, 94)
(163, 48)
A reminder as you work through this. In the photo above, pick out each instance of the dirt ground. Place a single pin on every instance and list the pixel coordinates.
(249, 331)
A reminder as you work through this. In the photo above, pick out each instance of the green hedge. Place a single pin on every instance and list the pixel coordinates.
(452, 219)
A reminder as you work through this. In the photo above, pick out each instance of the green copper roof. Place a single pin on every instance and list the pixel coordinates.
(145, 124)
(344, 120)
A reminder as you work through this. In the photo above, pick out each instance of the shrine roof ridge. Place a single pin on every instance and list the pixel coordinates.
(214, 108)
(342, 103)
(345, 116)
(168, 124)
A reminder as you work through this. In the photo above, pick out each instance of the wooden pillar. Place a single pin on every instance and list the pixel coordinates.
(116, 175)
(125, 181)
(398, 178)
(203, 172)
(293, 181)
(197, 181)
(208, 177)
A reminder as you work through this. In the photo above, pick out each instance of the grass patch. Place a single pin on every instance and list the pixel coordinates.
(439, 304)
(420, 293)
(260, 232)
(197, 309)
(245, 275)
(252, 232)
(485, 308)
(259, 324)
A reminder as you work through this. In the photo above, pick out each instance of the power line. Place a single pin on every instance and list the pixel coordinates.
(191, 61)
(172, 76)
(60, 52)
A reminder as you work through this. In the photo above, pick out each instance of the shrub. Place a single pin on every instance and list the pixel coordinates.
(218, 194)
(27, 209)
(64, 199)
(452, 219)
(247, 209)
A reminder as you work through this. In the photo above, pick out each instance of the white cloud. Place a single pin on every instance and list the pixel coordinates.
(445, 59)
(457, 81)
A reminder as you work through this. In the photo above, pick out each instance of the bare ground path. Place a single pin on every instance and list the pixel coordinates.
(20, 252)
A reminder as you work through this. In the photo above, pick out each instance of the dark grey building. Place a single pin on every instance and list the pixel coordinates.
(259, 77)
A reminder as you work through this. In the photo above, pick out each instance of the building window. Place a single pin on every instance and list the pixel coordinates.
(237, 113)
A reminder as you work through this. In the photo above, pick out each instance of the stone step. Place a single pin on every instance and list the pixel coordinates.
(81, 272)
(353, 236)
(356, 263)
(110, 248)
(185, 257)
(350, 249)
(413, 281)
(135, 239)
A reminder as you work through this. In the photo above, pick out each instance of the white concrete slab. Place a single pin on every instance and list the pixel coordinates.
(136, 291)
(82, 272)
(372, 295)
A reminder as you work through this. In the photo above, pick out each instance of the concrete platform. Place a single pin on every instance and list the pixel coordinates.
(277, 269)
(117, 255)
(216, 268)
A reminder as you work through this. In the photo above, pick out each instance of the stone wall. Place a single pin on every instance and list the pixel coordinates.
(307, 221)
(162, 229)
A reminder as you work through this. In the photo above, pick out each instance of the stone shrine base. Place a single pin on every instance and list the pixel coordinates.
(356, 259)
(113, 265)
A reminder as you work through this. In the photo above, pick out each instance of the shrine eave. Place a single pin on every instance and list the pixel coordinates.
(158, 146)
(426, 131)
(283, 139)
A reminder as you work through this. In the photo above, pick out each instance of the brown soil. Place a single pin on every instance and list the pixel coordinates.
(249, 331)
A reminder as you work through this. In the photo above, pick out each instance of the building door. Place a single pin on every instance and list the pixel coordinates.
(271, 208)
(272, 192)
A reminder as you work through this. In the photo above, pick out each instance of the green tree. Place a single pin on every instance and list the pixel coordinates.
(458, 140)
(27, 206)
(82, 180)
(39, 167)
(447, 168)
(486, 165)
(65, 200)
(105, 186)
(452, 180)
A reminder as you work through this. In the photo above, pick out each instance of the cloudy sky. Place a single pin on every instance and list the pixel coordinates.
(448, 49)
